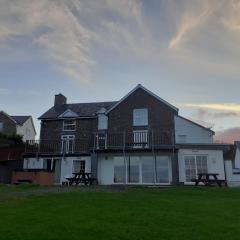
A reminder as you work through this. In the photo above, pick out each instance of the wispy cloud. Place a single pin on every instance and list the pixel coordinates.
(214, 106)
(191, 18)
(232, 21)
(5, 91)
(62, 31)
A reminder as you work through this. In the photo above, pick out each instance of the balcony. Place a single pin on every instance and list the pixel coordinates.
(140, 139)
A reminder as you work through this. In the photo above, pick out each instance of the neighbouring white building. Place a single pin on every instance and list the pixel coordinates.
(21, 125)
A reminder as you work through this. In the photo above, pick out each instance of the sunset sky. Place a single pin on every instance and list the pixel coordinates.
(187, 52)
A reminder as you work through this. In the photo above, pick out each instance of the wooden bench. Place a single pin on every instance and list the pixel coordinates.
(206, 179)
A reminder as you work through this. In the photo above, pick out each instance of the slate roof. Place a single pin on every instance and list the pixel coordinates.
(81, 109)
(20, 119)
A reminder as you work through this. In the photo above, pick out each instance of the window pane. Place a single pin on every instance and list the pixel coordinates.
(140, 117)
(133, 170)
(119, 170)
(47, 164)
(162, 169)
(78, 166)
(190, 168)
(69, 125)
(147, 169)
(201, 164)
(102, 122)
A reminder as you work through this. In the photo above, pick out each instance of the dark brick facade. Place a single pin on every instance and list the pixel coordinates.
(9, 127)
(120, 119)
(53, 129)
(160, 116)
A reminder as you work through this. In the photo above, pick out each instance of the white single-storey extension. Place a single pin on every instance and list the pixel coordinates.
(194, 161)
(232, 165)
(130, 168)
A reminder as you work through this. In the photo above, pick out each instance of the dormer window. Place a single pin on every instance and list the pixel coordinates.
(69, 125)
(140, 117)
(102, 121)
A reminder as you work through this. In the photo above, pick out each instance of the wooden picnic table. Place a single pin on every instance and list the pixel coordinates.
(209, 179)
(81, 177)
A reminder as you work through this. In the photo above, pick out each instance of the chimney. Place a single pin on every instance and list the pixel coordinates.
(60, 100)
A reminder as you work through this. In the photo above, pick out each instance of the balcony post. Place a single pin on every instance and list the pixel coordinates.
(152, 140)
(124, 141)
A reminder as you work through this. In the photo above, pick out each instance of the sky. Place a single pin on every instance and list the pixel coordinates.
(187, 52)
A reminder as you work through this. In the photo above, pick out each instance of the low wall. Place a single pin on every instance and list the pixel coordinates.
(39, 177)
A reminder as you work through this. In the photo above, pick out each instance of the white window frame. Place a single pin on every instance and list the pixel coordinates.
(195, 162)
(66, 125)
(140, 137)
(102, 121)
(140, 117)
(67, 138)
(82, 166)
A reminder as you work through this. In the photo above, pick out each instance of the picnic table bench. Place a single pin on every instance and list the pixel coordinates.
(209, 179)
(81, 177)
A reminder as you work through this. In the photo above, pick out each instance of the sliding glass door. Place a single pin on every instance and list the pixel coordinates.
(142, 169)
(162, 169)
(134, 170)
(147, 167)
(119, 170)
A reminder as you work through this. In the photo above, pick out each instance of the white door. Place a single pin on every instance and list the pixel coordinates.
(57, 170)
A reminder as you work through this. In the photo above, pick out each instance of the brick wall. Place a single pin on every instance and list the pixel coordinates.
(9, 127)
(160, 116)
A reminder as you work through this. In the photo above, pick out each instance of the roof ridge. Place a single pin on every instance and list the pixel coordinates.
(92, 102)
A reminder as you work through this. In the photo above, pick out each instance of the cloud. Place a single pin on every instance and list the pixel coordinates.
(68, 32)
(191, 19)
(204, 113)
(214, 106)
(5, 91)
(232, 21)
(228, 135)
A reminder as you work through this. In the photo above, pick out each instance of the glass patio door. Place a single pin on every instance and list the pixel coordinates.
(134, 169)
(162, 169)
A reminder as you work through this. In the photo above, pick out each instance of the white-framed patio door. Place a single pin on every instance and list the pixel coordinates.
(57, 163)
(195, 164)
(148, 170)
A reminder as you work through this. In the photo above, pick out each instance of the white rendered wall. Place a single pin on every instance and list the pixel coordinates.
(214, 158)
(33, 163)
(233, 175)
(106, 168)
(27, 130)
(193, 132)
(66, 164)
(237, 159)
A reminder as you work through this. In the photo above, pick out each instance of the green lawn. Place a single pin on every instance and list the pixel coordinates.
(139, 213)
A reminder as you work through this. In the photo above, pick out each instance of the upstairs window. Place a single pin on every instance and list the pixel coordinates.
(69, 125)
(140, 117)
(102, 122)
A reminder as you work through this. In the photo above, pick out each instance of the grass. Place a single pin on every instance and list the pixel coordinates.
(138, 213)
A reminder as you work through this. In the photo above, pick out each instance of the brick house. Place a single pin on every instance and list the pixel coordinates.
(140, 139)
